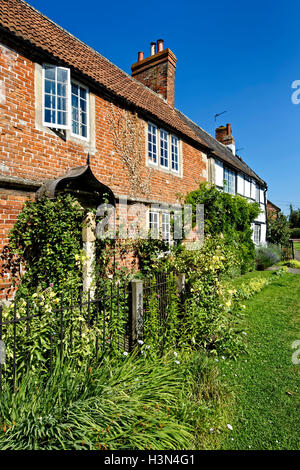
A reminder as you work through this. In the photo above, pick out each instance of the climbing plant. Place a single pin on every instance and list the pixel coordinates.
(230, 216)
(46, 241)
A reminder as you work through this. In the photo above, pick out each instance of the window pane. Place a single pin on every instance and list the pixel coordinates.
(49, 86)
(152, 150)
(61, 118)
(50, 72)
(154, 224)
(49, 101)
(61, 104)
(174, 151)
(55, 98)
(164, 157)
(74, 89)
(82, 93)
(83, 118)
(74, 101)
(62, 75)
(47, 115)
(83, 105)
(84, 131)
(75, 127)
(61, 90)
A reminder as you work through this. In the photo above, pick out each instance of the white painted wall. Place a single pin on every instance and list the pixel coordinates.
(219, 173)
(247, 188)
(253, 189)
(240, 184)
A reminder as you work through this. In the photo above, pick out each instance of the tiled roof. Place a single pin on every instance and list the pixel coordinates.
(221, 150)
(23, 21)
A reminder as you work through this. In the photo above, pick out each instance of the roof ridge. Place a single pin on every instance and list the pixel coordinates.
(95, 51)
(228, 152)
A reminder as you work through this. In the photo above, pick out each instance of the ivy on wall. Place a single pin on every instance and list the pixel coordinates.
(47, 240)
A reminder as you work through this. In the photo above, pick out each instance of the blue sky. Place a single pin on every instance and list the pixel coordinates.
(232, 55)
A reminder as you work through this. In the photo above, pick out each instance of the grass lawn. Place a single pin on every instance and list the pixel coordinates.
(265, 382)
(297, 246)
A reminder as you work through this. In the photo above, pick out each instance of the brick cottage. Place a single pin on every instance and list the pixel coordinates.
(61, 101)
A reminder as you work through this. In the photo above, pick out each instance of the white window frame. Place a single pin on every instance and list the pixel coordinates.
(167, 141)
(164, 224)
(171, 154)
(78, 136)
(226, 186)
(51, 124)
(157, 222)
(256, 232)
(157, 164)
(68, 125)
(150, 159)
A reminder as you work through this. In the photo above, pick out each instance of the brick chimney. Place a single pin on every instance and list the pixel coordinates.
(157, 71)
(224, 135)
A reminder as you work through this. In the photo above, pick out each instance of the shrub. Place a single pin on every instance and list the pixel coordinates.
(293, 263)
(228, 215)
(266, 256)
(278, 231)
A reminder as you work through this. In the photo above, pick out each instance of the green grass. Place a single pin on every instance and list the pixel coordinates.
(265, 382)
(297, 245)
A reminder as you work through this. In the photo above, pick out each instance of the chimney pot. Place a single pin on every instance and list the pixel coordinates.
(140, 56)
(157, 71)
(160, 45)
(224, 135)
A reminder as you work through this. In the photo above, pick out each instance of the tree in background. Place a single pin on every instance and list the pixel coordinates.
(294, 218)
(278, 230)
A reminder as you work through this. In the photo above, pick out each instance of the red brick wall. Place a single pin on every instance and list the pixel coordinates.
(27, 151)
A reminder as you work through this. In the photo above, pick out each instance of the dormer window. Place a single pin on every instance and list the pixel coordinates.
(65, 102)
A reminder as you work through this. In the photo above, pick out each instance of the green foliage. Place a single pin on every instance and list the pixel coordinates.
(266, 256)
(278, 231)
(228, 215)
(292, 263)
(295, 233)
(294, 217)
(47, 240)
(162, 315)
(78, 330)
(148, 252)
(122, 403)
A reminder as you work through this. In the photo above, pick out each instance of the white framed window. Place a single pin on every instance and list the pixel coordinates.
(65, 102)
(166, 227)
(164, 148)
(174, 153)
(80, 110)
(56, 99)
(257, 233)
(154, 224)
(152, 143)
(229, 181)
